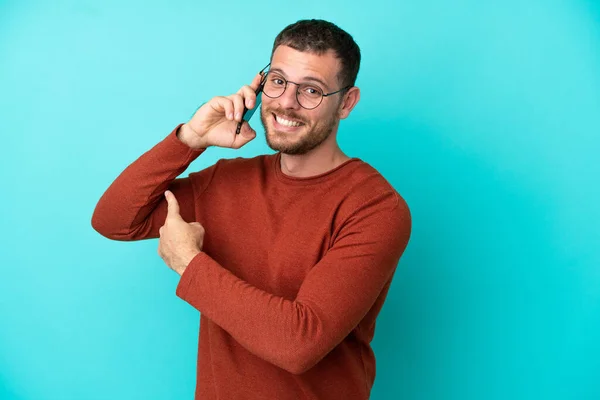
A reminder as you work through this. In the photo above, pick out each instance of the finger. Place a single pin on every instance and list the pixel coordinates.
(172, 205)
(249, 96)
(223, 105)
(238, 105)
(256, 82)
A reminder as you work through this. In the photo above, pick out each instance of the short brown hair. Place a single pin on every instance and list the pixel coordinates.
(319, 36)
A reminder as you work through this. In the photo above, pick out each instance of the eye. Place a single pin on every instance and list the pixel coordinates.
(277, 81)
(311, 91)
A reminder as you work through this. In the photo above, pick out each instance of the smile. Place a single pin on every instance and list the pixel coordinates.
(286, 122)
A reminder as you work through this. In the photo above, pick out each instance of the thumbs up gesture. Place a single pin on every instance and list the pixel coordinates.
(179, 241)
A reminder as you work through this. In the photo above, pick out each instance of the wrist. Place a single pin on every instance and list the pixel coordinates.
(187, 259)
(187, 136)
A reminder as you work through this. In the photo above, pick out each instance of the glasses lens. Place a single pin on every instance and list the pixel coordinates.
(274, 85)
(309, 96)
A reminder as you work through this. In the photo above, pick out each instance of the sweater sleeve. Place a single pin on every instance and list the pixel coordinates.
(134, 206)
(334, 297)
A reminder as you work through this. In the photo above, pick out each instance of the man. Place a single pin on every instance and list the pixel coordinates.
(288, 257)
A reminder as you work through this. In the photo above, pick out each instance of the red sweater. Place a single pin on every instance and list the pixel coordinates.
(292, 275)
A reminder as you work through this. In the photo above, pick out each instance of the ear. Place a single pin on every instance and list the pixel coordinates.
(350, 99)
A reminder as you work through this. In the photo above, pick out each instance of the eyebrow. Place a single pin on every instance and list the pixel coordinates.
(307, 78)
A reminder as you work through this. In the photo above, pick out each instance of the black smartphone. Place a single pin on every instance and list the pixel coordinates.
(247, 114)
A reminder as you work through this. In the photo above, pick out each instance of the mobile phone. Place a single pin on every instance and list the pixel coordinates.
(247, 114)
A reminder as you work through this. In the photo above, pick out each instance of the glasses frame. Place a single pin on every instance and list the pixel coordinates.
(264, 79)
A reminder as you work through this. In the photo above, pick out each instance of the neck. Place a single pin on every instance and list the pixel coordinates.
(319, 160)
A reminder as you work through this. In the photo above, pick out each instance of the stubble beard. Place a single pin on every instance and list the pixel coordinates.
(296, 143)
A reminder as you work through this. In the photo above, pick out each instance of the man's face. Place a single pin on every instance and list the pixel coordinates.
(289, 127)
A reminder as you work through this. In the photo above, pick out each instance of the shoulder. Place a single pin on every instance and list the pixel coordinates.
(369, 201)
(372, 214)
(366, 187)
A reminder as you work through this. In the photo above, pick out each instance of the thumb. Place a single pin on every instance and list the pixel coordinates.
(173, 205)
(246, 135)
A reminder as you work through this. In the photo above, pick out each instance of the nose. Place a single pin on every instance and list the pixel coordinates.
(288, 99)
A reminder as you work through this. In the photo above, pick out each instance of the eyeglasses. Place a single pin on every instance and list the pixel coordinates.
(308, 95)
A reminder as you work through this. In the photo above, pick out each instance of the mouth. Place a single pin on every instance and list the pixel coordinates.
(286, 124)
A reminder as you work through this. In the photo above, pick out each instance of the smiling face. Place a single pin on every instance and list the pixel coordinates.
(289, 127)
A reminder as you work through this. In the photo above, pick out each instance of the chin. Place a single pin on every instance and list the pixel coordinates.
(279, 142)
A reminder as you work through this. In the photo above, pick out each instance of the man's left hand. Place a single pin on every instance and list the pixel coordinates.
(179, 241)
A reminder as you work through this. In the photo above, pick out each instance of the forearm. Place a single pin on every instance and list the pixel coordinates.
(286, 333)
(291, 334)
(126, 205)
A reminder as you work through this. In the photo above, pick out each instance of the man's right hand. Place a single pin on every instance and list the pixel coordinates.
(215, 122)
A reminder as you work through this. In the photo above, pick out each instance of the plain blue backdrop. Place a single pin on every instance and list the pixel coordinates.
(485, 116)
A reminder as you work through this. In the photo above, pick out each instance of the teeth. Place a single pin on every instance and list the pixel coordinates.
(286, 122)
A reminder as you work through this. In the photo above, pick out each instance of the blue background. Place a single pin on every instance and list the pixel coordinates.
(485, 116)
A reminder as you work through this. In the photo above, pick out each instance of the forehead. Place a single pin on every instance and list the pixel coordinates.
(298, 65)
